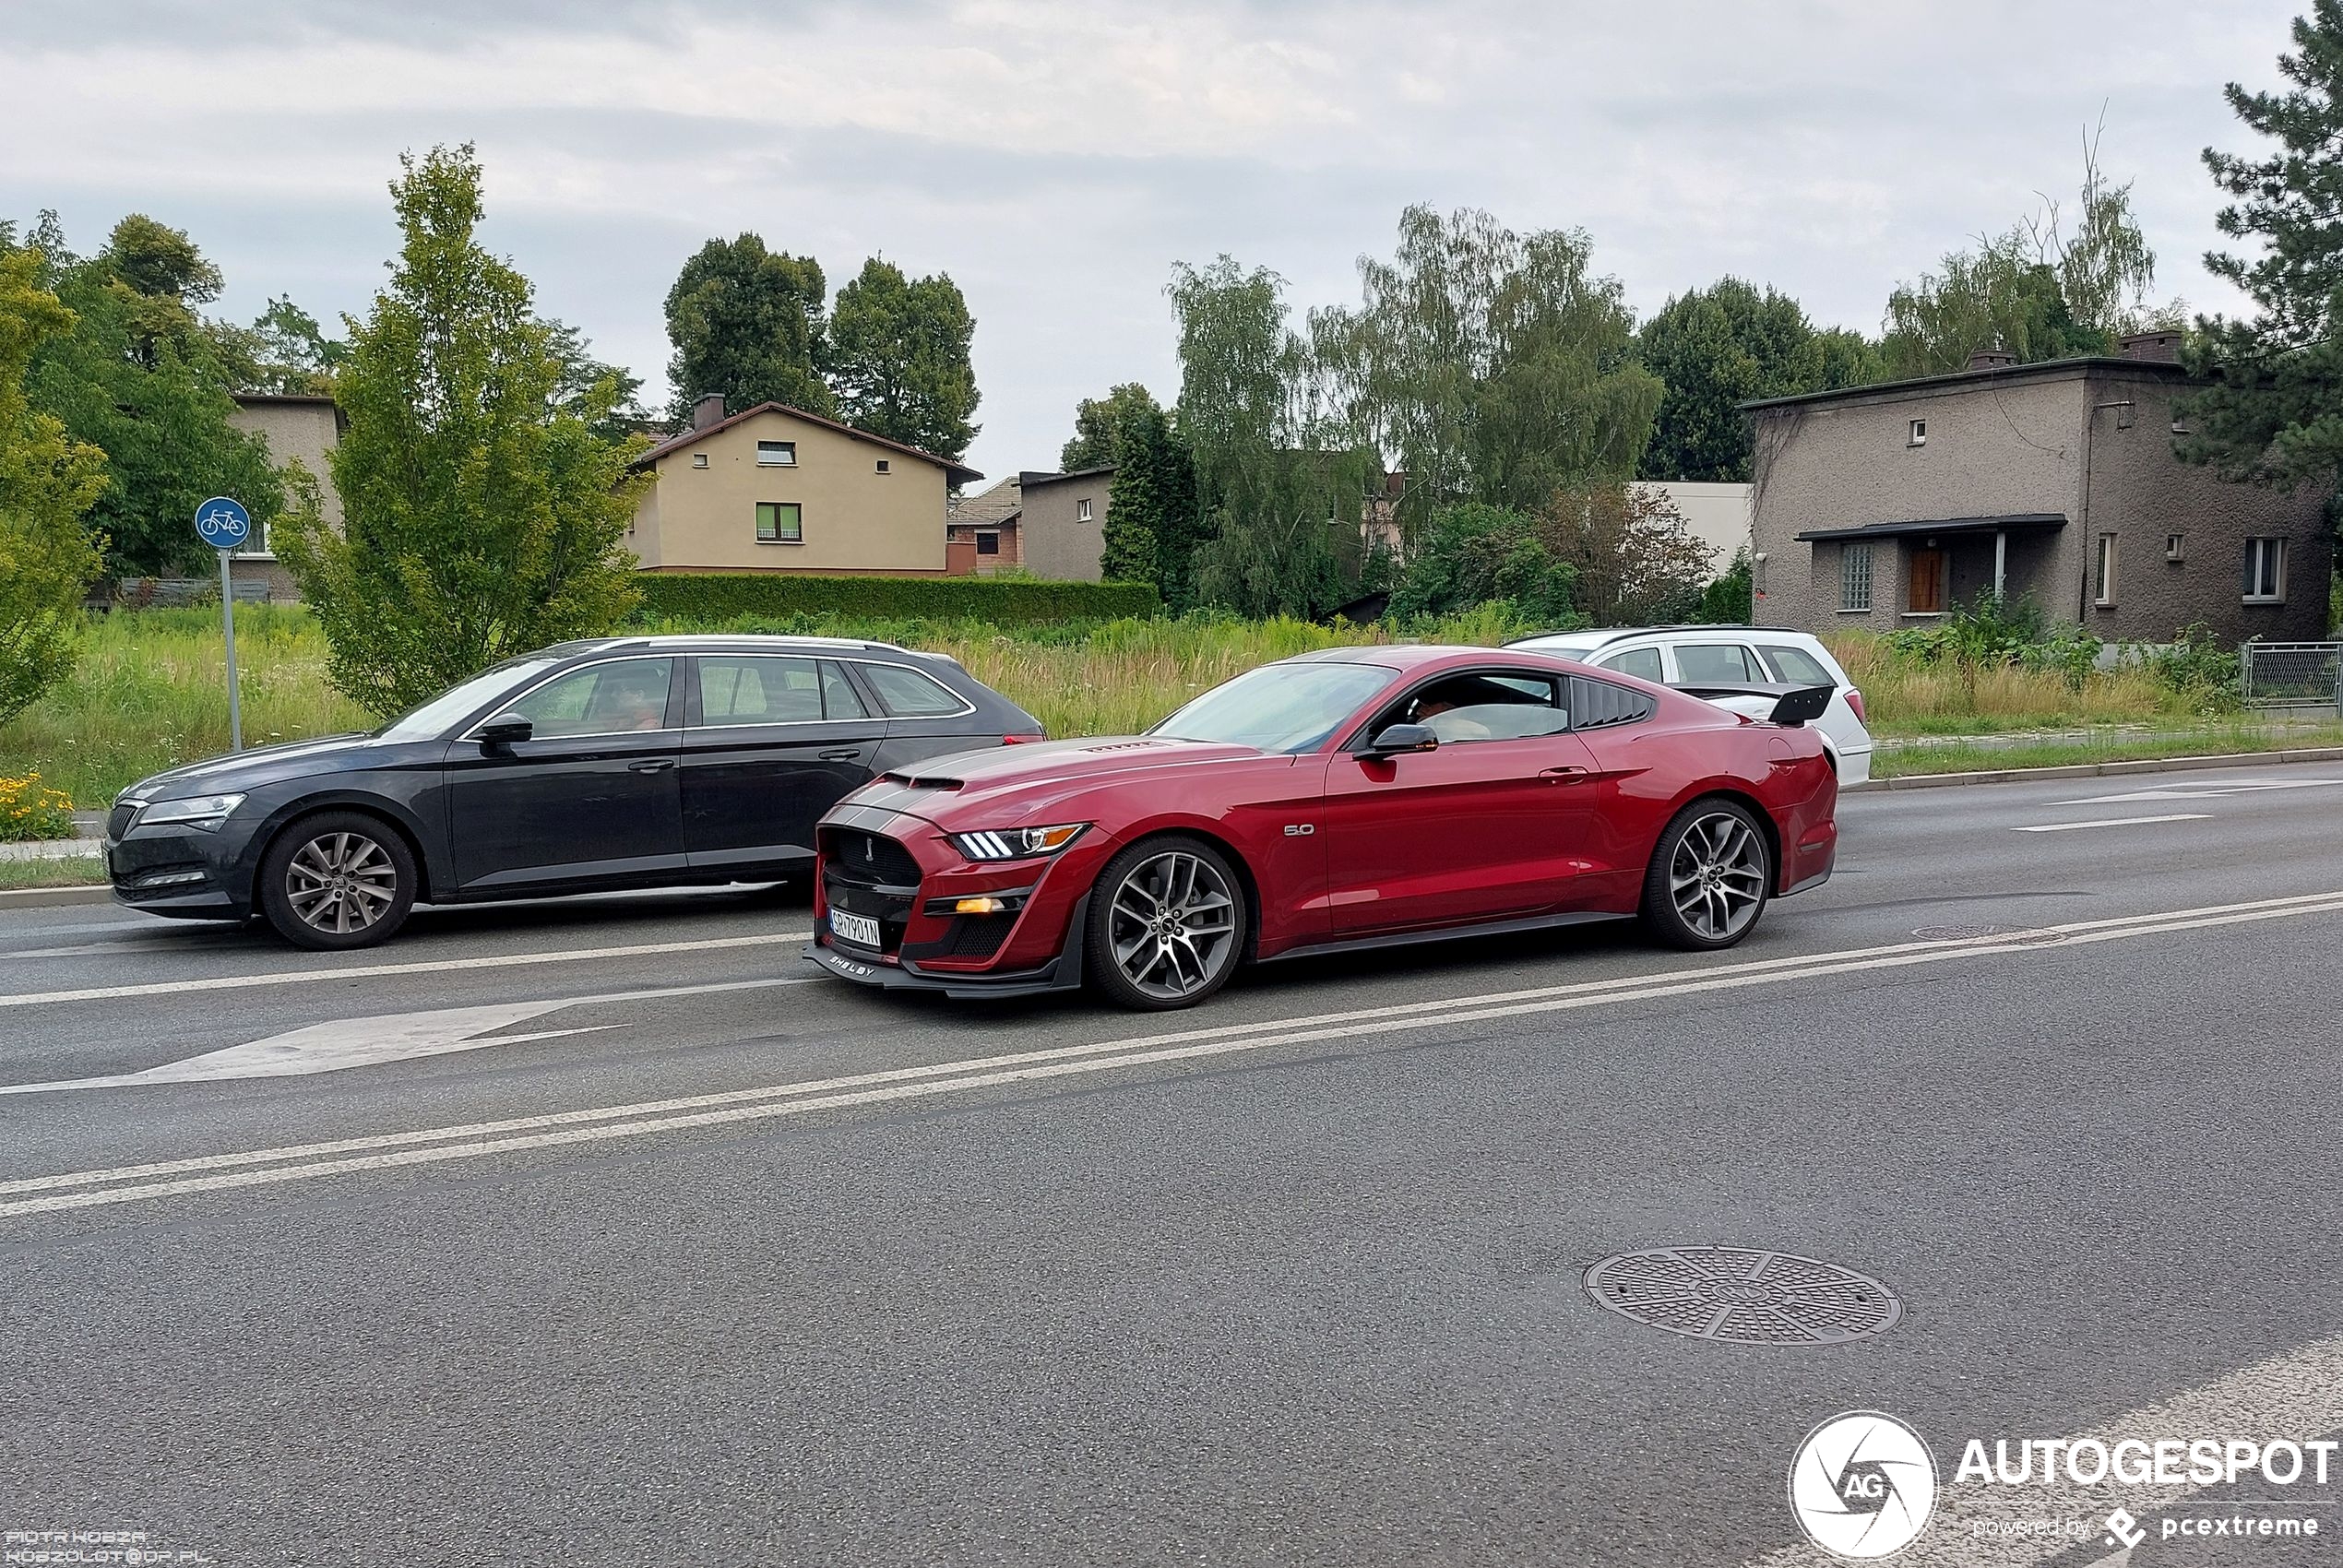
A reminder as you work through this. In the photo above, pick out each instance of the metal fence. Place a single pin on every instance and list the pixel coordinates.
(2292, 675)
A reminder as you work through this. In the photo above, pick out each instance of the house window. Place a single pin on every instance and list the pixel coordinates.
(881, 467)
(1854, 576)
(1918, 434)
(1924, 583)
(988, 544)
(1082, 510)
(779, 522)
(2264, 571)
(2103, 571)
(777, 454)
(699, 459)
(2172, 542)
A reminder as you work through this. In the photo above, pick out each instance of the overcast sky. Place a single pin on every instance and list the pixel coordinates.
(1056, 156)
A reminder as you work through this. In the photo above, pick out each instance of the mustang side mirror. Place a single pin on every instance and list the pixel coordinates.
(504, 731)
(1401, 739)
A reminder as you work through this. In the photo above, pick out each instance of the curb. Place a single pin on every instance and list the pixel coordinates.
(2095, 769)
(46, 897)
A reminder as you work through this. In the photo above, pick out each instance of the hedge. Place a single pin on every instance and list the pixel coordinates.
(1004, 601)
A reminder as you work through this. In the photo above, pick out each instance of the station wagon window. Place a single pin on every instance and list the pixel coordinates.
(1797, 665)
(840, 699)
(1701, 662)
(758, 690)
(906, 693)
(1641, 663)
(613, 698)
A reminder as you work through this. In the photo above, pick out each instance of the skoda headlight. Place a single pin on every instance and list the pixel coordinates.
(1017, 843)
(204, 811)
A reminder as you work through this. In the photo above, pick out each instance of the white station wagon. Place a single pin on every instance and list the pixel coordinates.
(1693, 656)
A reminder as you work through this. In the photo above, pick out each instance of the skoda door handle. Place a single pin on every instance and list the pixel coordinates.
(844, 753)
(651, 765)
(1565, 775)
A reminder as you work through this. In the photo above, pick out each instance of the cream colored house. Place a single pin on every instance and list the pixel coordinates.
(294, 425)
(773, 489)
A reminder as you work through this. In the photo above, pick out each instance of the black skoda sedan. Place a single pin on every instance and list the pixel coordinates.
(618, 762)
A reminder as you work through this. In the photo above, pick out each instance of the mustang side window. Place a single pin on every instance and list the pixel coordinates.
(1487, 707)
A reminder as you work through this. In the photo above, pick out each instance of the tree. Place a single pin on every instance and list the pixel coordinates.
(1495, 366)
(2273, 414)
(139, 378)
(48, 483)
(1151, 530)
(899, 359)
(1099, 423)
(1716, 348)
(2032, 292)
(1279, 499)
(747, 322)
(484, 516)
(1473, 553)
(288, 351)
(605, 396)
(1635, 561)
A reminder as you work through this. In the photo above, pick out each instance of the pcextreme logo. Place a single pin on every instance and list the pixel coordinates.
(1862, 1485)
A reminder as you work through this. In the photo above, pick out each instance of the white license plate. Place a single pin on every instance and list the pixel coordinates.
(855, 927)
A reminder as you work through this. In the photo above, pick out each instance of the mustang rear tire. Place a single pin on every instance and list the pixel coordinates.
(337, 880)
(1166, 924)
(1711, 875)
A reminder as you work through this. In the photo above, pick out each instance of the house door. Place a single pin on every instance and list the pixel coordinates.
(1925, 594)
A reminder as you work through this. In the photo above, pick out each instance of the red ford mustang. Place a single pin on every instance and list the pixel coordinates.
(1348, 798)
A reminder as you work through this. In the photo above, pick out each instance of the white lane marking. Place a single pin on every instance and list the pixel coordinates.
(2115, 822)
(2204, 791)
(2297, 1396)
(419, 967)
(793, 1099)
(1759, 969)
(341, 1043)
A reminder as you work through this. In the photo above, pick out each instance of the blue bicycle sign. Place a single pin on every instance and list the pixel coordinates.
(224, 524)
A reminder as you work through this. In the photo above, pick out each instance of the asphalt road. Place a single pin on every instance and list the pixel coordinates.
(606, 1232)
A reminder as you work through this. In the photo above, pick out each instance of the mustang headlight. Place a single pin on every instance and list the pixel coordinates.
(205, 811)
(1017, 843)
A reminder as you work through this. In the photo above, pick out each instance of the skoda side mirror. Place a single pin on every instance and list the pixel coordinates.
(1401, 739)
(504, 731)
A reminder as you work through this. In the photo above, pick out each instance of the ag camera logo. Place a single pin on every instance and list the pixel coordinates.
(1862, 1485)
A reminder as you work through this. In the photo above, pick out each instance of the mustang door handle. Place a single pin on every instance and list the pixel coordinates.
(1565, 775)
(844, 753)
(651, 765)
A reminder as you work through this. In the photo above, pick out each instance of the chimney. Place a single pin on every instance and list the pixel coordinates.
(707, 410)
(1991, 358)
(2162, 346)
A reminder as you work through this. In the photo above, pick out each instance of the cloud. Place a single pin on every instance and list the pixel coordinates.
(1055, 156)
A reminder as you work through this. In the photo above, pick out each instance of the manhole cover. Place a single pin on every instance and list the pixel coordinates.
(1743, 1296)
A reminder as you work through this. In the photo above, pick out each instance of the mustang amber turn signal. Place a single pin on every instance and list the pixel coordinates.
(979, 907)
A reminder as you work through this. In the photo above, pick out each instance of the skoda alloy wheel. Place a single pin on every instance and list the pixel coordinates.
(338, 880)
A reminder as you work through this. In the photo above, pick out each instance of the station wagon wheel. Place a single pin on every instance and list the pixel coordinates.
(1710, 876)
(1167, 924)
(339, 879)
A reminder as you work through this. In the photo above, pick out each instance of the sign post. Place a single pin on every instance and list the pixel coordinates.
(225, 524)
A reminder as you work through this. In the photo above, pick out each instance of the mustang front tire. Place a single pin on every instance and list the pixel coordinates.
(1166, 924)
(1710, 876)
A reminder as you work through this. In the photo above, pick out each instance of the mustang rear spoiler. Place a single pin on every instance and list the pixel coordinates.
(1793, 705)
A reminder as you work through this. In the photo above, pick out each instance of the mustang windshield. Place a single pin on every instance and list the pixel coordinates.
(428, 721)
(1278, 708)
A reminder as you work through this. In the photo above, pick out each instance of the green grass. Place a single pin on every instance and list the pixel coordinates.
(2220, 740)
(74, 871)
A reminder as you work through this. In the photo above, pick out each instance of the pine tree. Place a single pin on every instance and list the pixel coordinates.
(2274, 414)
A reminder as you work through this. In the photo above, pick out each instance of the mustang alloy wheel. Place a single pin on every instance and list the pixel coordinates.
(339, 879)
(1710, 876)
(1167, 923)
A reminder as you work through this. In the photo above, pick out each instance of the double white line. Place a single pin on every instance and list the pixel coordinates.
(134, 1184)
